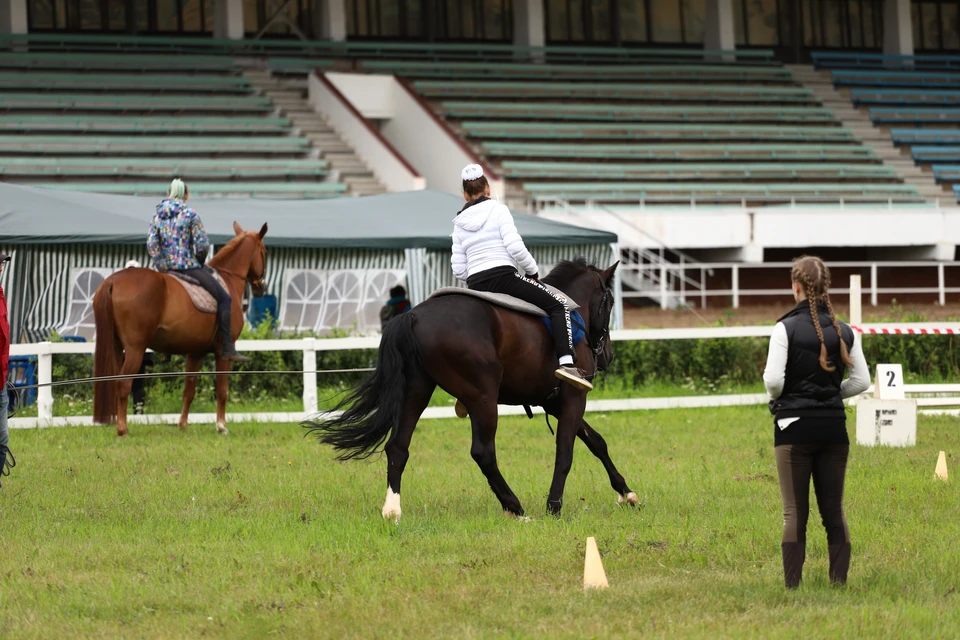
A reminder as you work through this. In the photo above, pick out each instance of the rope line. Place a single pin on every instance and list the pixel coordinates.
(185, 374)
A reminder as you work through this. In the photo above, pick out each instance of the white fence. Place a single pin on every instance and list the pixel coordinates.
(44, 352)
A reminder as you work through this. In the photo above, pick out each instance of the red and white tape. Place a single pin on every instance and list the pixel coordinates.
(909, 330)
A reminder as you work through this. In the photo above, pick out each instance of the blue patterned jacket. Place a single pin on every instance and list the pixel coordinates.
(176, 237)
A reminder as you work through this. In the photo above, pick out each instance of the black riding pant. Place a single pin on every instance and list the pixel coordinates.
(506, 280)
(208, 282)
(827, 464)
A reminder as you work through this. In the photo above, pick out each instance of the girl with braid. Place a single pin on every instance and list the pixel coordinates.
(810, 351)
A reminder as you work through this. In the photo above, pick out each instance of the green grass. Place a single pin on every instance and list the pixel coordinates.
(182, 535)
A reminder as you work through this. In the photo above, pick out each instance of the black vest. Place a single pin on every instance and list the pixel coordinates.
(808, 389)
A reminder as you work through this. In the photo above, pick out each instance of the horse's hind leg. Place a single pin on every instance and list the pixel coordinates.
(398, 447)
(132, 359)
(223, 390)
(598, 447)
(483, 419)
(189, 388)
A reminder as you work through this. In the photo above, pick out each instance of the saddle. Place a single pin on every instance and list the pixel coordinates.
(201, 298)
(505, 301)
(516, 304)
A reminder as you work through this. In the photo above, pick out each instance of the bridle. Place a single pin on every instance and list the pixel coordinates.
(258, 282)
(597, 345)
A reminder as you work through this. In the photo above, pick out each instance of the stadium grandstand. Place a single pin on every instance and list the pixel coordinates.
(716, 138)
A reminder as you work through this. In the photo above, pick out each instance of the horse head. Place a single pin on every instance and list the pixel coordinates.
(592, 289)
(252, 263)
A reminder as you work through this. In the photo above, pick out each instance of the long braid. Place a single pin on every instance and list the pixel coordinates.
(844, 352)
(813, 285)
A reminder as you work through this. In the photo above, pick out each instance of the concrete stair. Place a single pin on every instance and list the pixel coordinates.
(289, 95)
(878, 138)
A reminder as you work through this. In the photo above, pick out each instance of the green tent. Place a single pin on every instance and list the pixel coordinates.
(329, 261)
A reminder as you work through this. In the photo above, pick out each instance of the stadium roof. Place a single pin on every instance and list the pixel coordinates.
(413, 219)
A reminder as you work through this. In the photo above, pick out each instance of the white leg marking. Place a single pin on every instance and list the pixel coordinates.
(222, 427)
(391, 506)
(630, 499)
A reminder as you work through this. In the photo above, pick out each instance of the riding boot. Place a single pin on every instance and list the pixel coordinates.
(839, 562)
(794, 553)
(228, 350)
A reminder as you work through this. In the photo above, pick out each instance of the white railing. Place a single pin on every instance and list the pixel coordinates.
(736, 291)
(44, 351)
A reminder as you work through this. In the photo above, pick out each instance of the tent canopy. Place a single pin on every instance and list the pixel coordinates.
(413, 219)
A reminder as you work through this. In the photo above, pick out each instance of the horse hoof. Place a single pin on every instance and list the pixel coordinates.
(518, 518)
(222, 429)
(460, 410)
(121, 432)
(630, 499)
(391, 507)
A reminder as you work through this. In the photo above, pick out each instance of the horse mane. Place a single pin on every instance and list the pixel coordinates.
(566, 271)
(227, 248)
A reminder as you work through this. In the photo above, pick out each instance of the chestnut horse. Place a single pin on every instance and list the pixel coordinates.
(137, 309)
(483, 355)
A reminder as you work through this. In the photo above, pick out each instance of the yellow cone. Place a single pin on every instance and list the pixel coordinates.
(593, 575)
(941, 471)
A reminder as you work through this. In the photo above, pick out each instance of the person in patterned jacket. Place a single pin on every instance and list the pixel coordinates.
(178, 242)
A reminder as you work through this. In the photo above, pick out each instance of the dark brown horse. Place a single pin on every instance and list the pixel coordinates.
(483, 355)
(137, 309)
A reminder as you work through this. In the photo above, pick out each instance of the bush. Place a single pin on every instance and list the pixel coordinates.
(702, 365)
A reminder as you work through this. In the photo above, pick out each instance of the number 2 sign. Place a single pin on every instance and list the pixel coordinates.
(889, 382)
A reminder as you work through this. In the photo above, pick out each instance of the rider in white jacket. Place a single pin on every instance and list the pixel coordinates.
(489, 255)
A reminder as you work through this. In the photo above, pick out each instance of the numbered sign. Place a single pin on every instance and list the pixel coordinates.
(889, 382)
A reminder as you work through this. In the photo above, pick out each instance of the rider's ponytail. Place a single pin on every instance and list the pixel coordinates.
(178, 189)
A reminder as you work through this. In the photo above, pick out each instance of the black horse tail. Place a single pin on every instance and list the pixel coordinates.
(371, 412)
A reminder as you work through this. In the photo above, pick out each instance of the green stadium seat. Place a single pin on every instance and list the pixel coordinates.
(290, 190)
(696, 171)
(627, 72)
(201, 168)
(109, 62)
(925, 136)
(873, 78)
(707, 191)
(698, 152)
(125, 82)
(58, 42)
(614, 91)
(905, 97)
(636, 113)
(914, 115)
(628, 131)
(137, 103)
(143, 124)
(167, 144)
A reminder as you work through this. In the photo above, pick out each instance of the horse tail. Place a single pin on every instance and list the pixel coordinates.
(371, 412)
(106, 357)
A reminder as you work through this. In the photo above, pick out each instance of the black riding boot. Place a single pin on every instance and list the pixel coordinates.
(228, 350)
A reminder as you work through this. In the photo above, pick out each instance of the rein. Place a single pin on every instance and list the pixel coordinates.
(597, 348)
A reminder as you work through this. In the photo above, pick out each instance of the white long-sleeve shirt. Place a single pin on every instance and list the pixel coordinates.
(484, 237)
(775, 373)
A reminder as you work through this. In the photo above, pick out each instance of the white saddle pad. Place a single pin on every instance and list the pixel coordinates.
(505, 301)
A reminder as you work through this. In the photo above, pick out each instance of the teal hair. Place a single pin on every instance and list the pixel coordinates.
(177, 189)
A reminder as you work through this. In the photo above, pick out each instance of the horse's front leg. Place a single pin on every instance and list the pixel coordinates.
(598, 447)
(223, 390)
(572, 405)
(189, 388)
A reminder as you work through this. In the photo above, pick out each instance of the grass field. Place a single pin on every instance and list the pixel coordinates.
(261, 534)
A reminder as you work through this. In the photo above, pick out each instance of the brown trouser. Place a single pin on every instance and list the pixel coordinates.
(827, 463)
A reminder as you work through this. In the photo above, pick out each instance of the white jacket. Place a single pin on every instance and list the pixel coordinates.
(484, 237)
